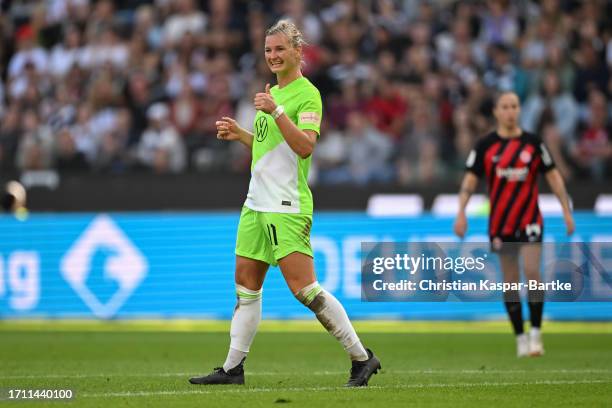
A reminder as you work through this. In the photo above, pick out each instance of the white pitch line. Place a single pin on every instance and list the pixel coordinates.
(301, 389)
(322, 373)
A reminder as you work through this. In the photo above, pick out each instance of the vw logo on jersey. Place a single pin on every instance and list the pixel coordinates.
(525, 156)
(261, 128)
(105, 252)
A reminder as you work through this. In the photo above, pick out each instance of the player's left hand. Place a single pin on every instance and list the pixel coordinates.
(570, 226)
(264, 101)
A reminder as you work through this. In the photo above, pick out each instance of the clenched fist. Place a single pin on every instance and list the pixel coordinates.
(264, 101)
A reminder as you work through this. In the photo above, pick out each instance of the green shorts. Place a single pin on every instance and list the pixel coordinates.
(269, 237)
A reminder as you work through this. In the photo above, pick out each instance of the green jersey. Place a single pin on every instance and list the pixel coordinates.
(278, 175)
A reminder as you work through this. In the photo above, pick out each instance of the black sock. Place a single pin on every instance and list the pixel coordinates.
(536, 307)
(512, 300)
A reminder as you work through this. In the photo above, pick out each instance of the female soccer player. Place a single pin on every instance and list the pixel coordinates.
(274, 227)
(511, 159)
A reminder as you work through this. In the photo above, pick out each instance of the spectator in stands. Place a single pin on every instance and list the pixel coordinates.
(66, 54)
(459, 38)
(28, 86)
(186, 112)
(205, 150)
(558, 61)
(592, 152)
(550, 105)
(68, 158)
(462, 65)
(591, 74)
(28, 52)
(185, 19)
(539, 36)
(387, 108)
(112, 150)
(499, 23)
(9, 136)
(368, 154)
(84, 133)
(332, 154)
(349, 68)
(340, 106)
(139, 97)
(35, 148)
(100, 19)
(504, 75)
(146, 25)
(415, 64)
(297, 11)
(224, 30)
(420, 147)
(161, 148)
(61, 109)
(479, 105)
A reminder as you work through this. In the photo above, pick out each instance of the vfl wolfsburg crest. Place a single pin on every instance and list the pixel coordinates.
(261, 128)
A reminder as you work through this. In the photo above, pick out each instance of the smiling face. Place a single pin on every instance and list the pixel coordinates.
(507, 110)
(281, 56)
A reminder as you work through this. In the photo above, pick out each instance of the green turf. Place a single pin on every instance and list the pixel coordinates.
(446, 368)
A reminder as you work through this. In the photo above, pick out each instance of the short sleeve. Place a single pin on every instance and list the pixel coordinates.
(310, 113)
(546, 163)
(475, 160)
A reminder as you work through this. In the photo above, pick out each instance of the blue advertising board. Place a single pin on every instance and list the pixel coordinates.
(181, 265)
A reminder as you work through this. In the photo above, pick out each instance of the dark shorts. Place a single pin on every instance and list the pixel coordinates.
(511, 244)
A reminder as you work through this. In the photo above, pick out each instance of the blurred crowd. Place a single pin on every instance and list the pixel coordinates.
(408, 85)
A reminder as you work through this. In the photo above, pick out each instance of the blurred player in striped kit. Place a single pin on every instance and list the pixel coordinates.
(511, 159)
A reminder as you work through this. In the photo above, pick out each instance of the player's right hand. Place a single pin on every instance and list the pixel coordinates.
(228, 129)
(460, 226)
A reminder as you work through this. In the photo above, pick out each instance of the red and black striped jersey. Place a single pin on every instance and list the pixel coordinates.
(511, 167)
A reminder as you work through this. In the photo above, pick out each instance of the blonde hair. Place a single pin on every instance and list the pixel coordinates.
(289, 29)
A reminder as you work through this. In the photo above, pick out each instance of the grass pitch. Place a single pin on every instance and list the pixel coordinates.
(297, 364)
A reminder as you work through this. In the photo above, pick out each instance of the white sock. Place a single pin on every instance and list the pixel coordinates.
(247, 315)
(333, 317)
(234, 357)
(357, 351)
